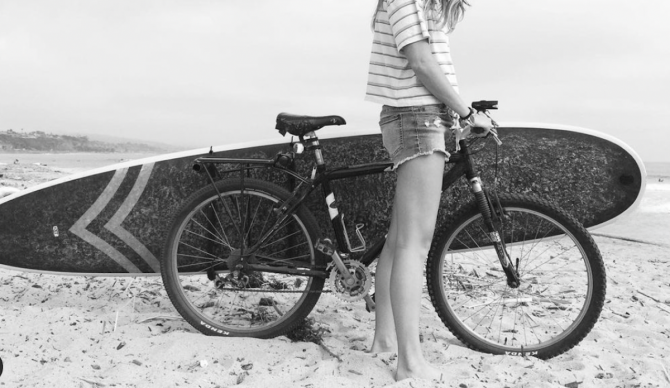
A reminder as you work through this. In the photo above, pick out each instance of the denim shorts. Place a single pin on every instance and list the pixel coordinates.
(411, 131)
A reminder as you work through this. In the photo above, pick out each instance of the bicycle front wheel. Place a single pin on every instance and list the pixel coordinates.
(206, 256)
(562, 276)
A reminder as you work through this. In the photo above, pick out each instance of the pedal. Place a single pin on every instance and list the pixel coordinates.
(325, 246)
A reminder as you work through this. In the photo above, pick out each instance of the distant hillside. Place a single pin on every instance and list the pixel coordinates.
(46, 142)
(118, 140)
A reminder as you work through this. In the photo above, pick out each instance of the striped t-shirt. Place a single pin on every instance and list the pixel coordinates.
(391, 81)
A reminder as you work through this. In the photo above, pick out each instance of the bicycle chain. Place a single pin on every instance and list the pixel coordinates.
(275, 291)
(332, 280)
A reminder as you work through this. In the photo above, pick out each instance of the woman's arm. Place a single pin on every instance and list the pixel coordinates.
(430, 74)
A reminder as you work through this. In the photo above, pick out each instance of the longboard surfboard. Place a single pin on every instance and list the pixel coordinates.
(111, 221)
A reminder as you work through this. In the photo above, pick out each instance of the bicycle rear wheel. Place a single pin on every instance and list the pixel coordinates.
(204, 265)
(562, 275)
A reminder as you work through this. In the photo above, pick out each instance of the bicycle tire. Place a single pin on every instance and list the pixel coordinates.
(554, 308)
(203, 249)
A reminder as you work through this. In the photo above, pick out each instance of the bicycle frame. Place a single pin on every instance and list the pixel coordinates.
(322, 176)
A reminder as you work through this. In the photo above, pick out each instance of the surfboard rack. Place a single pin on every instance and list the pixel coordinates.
(201, 165)
(198, 164)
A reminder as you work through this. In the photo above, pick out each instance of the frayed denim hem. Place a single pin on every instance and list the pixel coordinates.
(396, 165)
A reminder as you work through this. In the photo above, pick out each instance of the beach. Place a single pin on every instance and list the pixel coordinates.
(70, 331)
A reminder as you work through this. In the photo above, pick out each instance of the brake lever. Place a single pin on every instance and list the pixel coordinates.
(493, 131)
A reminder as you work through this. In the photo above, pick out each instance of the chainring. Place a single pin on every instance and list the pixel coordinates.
(355, 291)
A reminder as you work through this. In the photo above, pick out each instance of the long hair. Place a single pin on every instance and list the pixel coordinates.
(446, 12)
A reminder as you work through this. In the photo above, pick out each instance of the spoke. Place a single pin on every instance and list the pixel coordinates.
(483, 307)
(551, 317)
(198, 257)
(245, 221)
(199, 250)
(265, 223)
(209, 239)
(219, 300)
(514, 331)
(196, 299)
(281, 239)
(291, 247)
(198, 264)
(232, 303)
(531, 327)
(478, 286)
(275, 260)
(524, 237)
(535, 240)
(277, 227)
(555, 258)
(497, 305)
(239, 213)
(502, 317)
(476, 253)
(223, 238)
(230, 216)
(276, 307)
(223, 230)
(253, 220)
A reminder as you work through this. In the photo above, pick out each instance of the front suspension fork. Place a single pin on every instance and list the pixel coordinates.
(511, 272)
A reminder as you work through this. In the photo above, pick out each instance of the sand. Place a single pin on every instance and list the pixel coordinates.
(123, 332)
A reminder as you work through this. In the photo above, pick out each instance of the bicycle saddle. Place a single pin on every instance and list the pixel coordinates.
(301, 125)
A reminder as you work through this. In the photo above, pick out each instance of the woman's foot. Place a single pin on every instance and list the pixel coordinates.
(383, 346)
(424, 370)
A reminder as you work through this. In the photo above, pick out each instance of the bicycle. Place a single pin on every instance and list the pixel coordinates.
(510, 274)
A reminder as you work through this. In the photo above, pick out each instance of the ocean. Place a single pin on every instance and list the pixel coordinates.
(658, 169)
(76, 161)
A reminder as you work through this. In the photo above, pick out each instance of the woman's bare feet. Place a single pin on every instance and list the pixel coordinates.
(422, 370)
(383, 346)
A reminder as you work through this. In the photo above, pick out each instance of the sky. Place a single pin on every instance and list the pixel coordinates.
(198, 73)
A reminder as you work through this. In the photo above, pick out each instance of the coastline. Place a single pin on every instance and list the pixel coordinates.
(658, 169)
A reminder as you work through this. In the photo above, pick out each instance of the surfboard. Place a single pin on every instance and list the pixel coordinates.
(111, 221)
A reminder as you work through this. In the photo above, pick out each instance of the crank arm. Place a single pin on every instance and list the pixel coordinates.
(325, 246)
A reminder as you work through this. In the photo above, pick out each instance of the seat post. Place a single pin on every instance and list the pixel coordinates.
(314, 143)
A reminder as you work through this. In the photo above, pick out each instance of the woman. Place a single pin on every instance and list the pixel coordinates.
(411, 74)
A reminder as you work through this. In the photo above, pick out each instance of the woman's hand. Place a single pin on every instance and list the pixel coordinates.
(479, 125)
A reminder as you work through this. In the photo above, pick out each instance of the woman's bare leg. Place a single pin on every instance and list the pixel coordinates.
(417, 200)
(385, 336)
